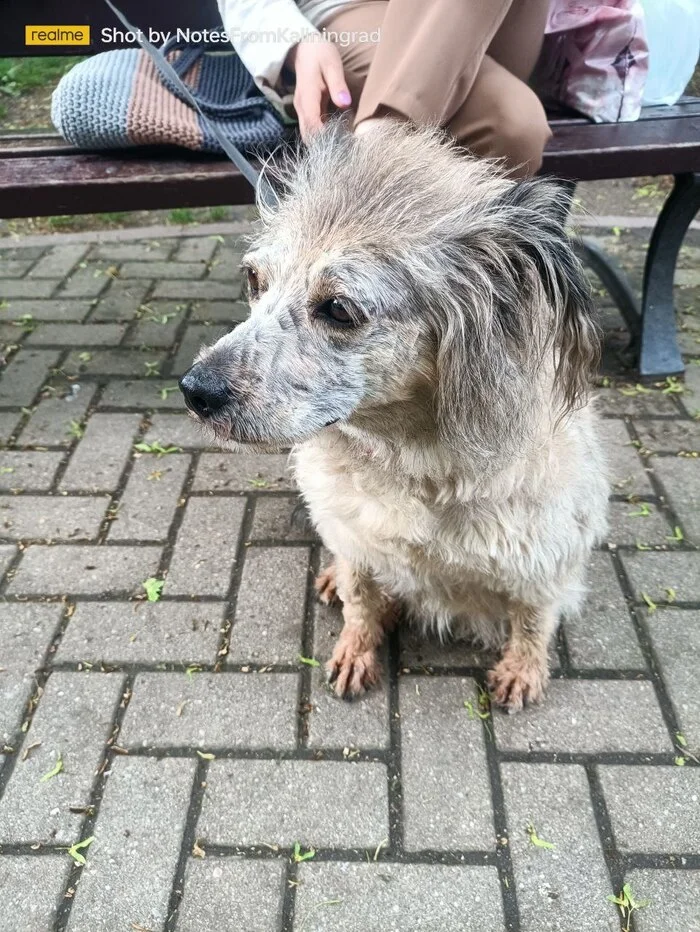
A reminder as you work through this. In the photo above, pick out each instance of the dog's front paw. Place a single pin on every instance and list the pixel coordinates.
(516, 681)
(352, 670)
(326, 585)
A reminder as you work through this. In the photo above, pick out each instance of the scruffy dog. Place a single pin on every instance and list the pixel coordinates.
(421, 335)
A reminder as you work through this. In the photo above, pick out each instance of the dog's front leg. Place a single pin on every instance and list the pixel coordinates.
(367, 613)
(522, 674)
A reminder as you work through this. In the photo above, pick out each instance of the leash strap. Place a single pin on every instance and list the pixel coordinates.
(163, 65)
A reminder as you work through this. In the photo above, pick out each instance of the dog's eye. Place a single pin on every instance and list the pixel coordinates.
(333, 312)
(253, 284)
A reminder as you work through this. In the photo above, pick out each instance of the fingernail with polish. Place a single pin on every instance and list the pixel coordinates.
(344, 99)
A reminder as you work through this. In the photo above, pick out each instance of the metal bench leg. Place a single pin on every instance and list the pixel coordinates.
(659, 354)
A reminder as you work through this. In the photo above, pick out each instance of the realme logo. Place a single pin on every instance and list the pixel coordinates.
(57, 35)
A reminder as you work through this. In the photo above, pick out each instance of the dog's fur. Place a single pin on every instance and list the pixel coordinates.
(444, 443)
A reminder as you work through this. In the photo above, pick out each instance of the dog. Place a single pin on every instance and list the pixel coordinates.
(422, 335)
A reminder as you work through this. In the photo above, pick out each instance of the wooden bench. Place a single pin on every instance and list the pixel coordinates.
(42, 176)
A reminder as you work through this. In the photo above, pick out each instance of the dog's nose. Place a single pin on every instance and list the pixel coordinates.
(205, 392)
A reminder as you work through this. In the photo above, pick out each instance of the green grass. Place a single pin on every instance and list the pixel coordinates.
(18, 75)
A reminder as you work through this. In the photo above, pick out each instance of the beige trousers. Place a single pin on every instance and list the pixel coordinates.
(460, 63)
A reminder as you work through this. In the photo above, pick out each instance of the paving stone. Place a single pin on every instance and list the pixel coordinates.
(672, 893)
(15, 268)
(8, 423)
(168, 270)
(58, 261)
(27, 288)
(242, 472)
(157, 328)
(53, 420)
(317, 803)
(30, 470)
(637, 522)
(654, 809)
(668, 435)
(363, 723)
(676, 639)
(71, 334)
(195, 337)
(195, 249)
(628, 475)
(139, 251)
(233, 312)
(227, 266)
(22, 252)
(73, 720)
(101, 455)
(60, 309)
(553, 884)
(589, 717)
(142, 632)
(24, 375)
(32, 891)
(690, 399)
(142, 393)
(84, 569)
(603, 635)
(248, 893)
(199, 290)
(178, 430)
(25, 634)
(273, 519)
(270, 607)
(446, 789)
(127, 880)
(213, 710)
(681, 481)
(121, 301)
(113, 362)
(655, 573)
(613, 401)
(205, 550)
(148, 504)
(7, 555)
(423, 651)
(43, 517)
(87, 281)
(387, 897)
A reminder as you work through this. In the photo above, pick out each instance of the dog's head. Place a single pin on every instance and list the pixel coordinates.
(397, 283)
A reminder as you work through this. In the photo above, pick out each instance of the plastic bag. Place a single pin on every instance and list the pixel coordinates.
(673, 34)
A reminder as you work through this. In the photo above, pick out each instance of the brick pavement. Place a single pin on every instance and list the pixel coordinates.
(222, 785)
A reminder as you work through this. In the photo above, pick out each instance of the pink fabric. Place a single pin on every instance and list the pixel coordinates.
(595, 58)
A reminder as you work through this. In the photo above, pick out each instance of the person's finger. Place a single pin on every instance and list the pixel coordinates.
(334, 77)
(308, 108)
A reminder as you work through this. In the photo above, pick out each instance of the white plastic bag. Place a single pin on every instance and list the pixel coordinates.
(673, 36)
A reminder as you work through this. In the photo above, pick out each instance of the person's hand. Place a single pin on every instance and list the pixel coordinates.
(319, 79)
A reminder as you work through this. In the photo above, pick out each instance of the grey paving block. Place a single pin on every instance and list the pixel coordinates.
(571, 879)
(332, 723)
(120, 301)
(54, 419)
(142, 393)
(59, 261)
(27, 288)
(24, 375)
(681, 480)
(50, 334)
(199, 290)
(158, 327)
(22, 252)
(128, 877)
(15, 268)
(628, 474)
(603, 635)
(8, 423)
(101, 455)
(669, 435)
(84, 569)
(227, 266)
(87, 281)
(674, 895)
(317, 803)
(213, 710)
(205, 550)
(387, 897)
(615, 402)
(178, 430)
(423, 651)
(60, 309)
(273, 519)
(7, 555)
(655, 573)
(195, 337)
(73, 720)
(155, 269)
(142, 632)
(57, 517)
(654, 809)
(270, 607)
(637, 522)
(28, 470)
(195, 249)
(676, 639)
(118, 361)
(446, 788)
(141, 251)
(242, 472)
(233, 312)
(586, 716)
(32, 891)
(148, 503)
(248, 893)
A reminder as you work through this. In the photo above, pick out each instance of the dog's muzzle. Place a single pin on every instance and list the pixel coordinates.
(205, 392)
